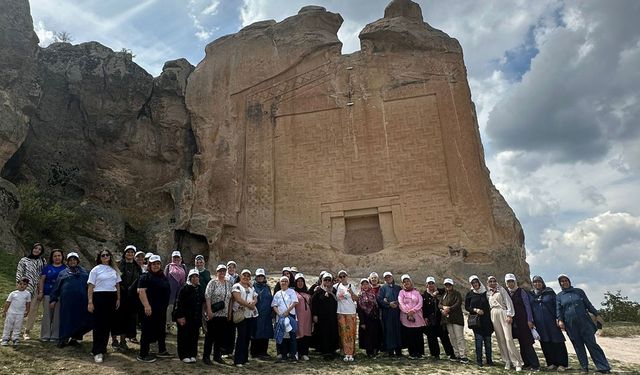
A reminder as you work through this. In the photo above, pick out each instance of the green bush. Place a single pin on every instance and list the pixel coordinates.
(618, 308)
(43, 218)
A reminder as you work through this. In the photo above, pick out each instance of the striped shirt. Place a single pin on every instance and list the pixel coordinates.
(31, 269)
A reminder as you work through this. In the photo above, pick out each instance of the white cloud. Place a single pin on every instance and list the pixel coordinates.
(46, 36)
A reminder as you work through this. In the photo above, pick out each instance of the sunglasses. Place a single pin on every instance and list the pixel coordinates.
(105, 255)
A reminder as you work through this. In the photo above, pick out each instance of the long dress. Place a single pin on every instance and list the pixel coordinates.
(325, 331)
(370, 327)
(552, 341)
(520, 327)
(391, 327)
(189, 307)
(263, 329)
(125, 321)
(71, 293)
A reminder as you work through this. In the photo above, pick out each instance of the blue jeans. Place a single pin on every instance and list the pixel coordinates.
(289, 347)
(486, 340)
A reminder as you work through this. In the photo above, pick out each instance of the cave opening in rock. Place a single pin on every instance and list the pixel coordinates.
(191, 245)
(362, 235)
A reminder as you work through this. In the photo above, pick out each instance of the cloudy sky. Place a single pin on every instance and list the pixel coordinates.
(556, 85)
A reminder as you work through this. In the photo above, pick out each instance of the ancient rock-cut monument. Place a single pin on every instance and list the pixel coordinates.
(276, 149)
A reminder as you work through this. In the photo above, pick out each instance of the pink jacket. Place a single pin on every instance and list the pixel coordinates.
(411, 301)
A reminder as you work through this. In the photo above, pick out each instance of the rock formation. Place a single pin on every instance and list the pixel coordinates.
(278, 150)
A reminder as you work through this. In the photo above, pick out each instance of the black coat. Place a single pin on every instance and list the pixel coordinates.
(189, 304)
(480, 301)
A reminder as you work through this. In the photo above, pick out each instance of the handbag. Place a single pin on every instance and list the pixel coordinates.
(474, 322)
(238, 315)
(217, 306)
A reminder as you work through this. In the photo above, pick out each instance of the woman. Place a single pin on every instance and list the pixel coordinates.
(324, 305)
(303, 314)
(188, 315)
(205, 277)
(347, 300)
(139, 257)
(410, 302)
(501, 317)
(232, 276)
(374, 281)
(51, 317)
(572, 306)
(284, 304)
(370, 328)
(477, 304)
(217, 302)
(176, 273)
(543, 304)
(70, 293)
(245, 299)
(154, 293)
(451, 307)
(31, 267)
(286, 271)
(125, 319)
(264, 326)
(388, 303)
(103, 292)
(434, 328)
(522, 323)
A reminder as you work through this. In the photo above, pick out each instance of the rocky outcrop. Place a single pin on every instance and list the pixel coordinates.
(18, 91)
(109, 139)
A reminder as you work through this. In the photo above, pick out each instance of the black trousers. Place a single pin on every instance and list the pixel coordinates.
(433, 334)
(230, 339)
(412, 338)
(555, 353)
(245, 328)
(217, 335)
(153, 329)
(303, 345)
(188, 339)
(259, 347)
(104, 309)
(529, 356)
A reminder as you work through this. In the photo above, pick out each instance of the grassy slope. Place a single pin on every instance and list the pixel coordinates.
(36, 357)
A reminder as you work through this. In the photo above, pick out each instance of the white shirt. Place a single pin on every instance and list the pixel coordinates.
(248, 295)
(346, 305)
(104, 278)
(18, 300)
(284, 299)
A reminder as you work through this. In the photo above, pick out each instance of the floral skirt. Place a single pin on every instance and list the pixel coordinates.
(347, 326)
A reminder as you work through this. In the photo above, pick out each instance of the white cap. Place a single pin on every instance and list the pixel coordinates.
(405, 276)
(509, 277)
(288, 269)
(322, 273)
(193, 272)
(221, 267)
(299, 276)
(473, 277)
(363, 280)
(148, 255)
(373, 274)
(73, 254)
(342, 271)
(245, 271)
(294, 269)
(387, 273)
(130, 247)
(199, 256)
(154, 258)
(560, 276)
(260, 272)
(231, 262)
(327, 275)
(431, 279)
(448, 281)
(176, 253)
(284, 278)
(138, 253)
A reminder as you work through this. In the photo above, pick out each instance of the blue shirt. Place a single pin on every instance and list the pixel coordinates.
(51, 272)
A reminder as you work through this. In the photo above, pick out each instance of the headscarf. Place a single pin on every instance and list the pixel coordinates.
(32, 256)
(200, 269)
(177, 271)
(367, 301)
(544, 286)
(304, 288)
(482, 288)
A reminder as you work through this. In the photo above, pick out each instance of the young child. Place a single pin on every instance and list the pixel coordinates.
(15, 310)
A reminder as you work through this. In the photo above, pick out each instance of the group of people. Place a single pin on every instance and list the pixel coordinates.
(239, 313)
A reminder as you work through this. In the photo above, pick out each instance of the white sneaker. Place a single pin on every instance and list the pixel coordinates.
(4, 343)
(193, 359)
(346, 358)
(186, 360)
(279, 356)
(98, 358)
(507, 366)
(305, 357)
(518, 368)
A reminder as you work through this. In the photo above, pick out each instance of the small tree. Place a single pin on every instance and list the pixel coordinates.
(618, 308)
(62, 37)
